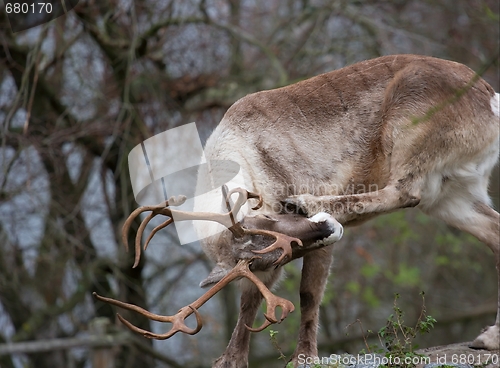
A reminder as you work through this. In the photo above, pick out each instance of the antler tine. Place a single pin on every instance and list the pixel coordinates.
(155, 210)
(130, 219)
(262, 327)
(155, 230)
(227, 219)
(158, 209)
(177, 320)
(283, 242)
(178, 325)
(240, 270)
(243, 196)
(142, 227)
(256, 196)
(272, 301)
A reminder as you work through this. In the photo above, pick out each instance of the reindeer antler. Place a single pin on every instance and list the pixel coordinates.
(226, 219)
(240, 270)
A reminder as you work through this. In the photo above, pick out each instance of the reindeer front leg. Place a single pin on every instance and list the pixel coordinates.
(346, 208)
(236, 353)
(315, 271)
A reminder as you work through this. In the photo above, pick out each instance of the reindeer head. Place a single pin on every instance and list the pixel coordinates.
(248, 241)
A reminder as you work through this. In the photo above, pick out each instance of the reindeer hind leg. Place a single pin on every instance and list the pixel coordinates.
(470, 212)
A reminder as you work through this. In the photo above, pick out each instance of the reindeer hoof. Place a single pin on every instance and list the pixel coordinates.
(336, 229)
(488, 340)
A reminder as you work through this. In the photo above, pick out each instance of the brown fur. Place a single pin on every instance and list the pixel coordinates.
(384, 134)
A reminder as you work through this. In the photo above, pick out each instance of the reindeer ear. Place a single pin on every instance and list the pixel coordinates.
(215, 276)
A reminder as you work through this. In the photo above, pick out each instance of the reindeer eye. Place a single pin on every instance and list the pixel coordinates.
(270, 218)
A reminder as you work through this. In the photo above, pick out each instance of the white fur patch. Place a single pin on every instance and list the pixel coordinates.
(320, 217)
(495, 104)
(335, 226)
(489, 339)
(468, 182)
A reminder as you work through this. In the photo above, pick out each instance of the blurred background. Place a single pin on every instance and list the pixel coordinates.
(77, 94)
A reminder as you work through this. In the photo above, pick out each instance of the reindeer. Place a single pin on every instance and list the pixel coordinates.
(404, 130)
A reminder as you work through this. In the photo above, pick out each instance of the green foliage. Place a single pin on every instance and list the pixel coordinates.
(422, 219)
(290, 284)
(370, 297)
(370, 270)
(442, 260)
(406, 275)
(451, 241)
(399, 225)
(274, 341)
(329, 294)
(490, 14)
(353, 287)
(397, 338)
(455, 244)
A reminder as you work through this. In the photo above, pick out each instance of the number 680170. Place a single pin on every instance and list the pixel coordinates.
(25, 8)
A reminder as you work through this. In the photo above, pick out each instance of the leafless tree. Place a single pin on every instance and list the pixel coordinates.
(77, 94)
